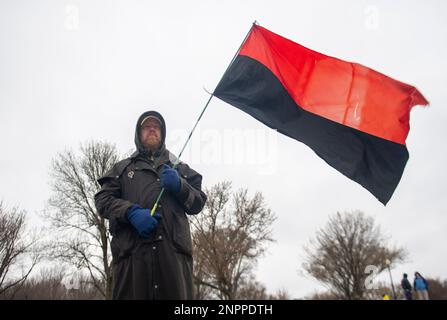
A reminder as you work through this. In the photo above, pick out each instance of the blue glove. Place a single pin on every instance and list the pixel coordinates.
(170, 179)
(142, 220)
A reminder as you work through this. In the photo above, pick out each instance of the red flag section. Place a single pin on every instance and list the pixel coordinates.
(354, 118)
(345, 92)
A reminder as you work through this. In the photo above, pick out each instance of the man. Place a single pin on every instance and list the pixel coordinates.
(152, 255)
(406, 286)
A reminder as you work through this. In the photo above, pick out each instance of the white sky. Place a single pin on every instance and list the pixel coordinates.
(71, 71)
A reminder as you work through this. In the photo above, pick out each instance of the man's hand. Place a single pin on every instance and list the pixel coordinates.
(142, 220)
(170, 179)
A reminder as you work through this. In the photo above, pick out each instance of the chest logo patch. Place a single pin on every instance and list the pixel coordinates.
(130, 174)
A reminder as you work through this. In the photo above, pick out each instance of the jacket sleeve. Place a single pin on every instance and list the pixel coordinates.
(108, 200)
(190, 196)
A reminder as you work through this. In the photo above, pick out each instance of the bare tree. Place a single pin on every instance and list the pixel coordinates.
(47, 285)
(340, 253)
(81, 234)
(251, 289)
(437, 289)
(57, 283)
(18, 256)
(228, 238)
(325, 295)
(377, 292)
(383, 288)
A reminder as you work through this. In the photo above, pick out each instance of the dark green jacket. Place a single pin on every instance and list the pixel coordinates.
(159, 267)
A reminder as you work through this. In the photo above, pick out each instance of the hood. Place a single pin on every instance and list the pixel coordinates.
(140, 148)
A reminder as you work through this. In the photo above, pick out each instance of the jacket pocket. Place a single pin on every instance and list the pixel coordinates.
(123, 243)
(182, 234)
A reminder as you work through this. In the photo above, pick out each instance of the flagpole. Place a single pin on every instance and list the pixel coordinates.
(154, 208)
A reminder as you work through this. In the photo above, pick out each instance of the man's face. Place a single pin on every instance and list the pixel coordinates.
(150, 134)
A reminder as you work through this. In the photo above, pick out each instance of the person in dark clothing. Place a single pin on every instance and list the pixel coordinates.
(406, 287)
(152, 255)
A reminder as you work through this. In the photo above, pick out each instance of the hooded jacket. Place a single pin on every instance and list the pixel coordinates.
(159, 267)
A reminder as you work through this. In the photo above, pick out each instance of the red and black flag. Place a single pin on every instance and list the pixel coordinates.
(356, 119)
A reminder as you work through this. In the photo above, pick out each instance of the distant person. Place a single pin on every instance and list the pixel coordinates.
(406, 287)
(421, 286)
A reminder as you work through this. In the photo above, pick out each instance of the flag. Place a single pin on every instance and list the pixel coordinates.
(354, 118)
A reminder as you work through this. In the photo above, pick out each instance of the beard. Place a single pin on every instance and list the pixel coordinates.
(152, 143)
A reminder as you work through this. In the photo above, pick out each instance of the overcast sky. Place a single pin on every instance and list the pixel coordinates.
(71, 71)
